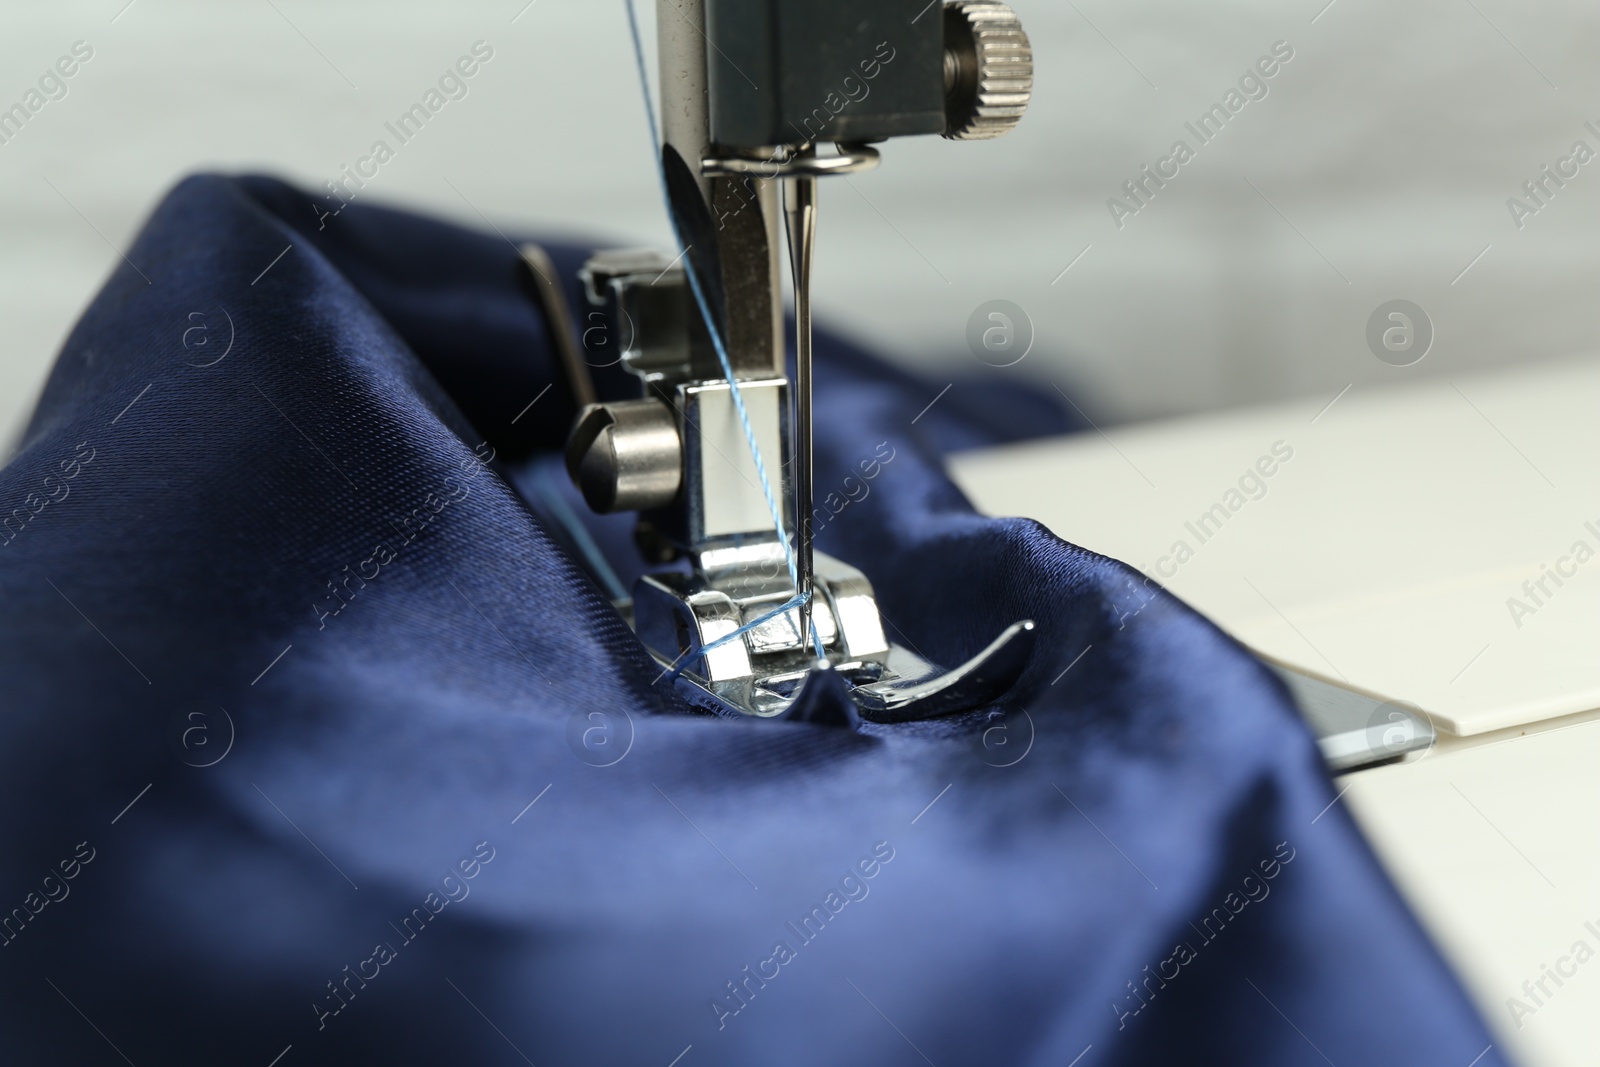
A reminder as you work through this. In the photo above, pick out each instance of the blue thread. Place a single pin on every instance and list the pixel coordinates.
(711, 325)
(788, 605)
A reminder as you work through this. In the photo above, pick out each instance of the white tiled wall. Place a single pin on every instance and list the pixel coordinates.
(1377, 166)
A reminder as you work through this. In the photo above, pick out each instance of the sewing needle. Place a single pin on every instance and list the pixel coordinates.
(800, 212)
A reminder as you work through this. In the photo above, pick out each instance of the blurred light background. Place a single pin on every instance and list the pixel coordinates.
(1377, 167)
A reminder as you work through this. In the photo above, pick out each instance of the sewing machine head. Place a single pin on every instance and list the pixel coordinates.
(711, 455)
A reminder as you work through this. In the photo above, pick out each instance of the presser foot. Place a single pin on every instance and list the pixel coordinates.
(906, 690)
(692, 625)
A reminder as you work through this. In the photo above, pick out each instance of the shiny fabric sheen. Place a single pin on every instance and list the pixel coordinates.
(180, 580)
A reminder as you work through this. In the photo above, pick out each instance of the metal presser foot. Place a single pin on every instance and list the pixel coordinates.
(763, 671)
(728, 628)
(744, 627)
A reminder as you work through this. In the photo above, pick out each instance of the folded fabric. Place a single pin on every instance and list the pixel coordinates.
(322, 744)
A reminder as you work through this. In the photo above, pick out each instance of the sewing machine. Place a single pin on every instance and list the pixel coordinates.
(716, 454)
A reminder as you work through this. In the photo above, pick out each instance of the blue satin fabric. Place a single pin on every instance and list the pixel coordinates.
(310, 704)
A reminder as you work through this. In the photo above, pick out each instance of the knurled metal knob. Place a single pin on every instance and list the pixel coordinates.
(988, 70)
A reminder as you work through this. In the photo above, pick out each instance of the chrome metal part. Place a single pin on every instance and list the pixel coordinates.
(738, 630)
(724, 497)
(800, 212)
(919, 690)
(781, 163)
(687, 620)
(626, 456)
(641, 312)
(886, 683)
(729, 224)
(988, 70)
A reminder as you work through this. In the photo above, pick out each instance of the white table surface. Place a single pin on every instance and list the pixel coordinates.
(1406, 492)
(1393, 552)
